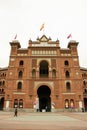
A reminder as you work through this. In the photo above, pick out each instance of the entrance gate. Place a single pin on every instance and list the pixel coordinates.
(85, 103)
(44, 98)
(2, 103)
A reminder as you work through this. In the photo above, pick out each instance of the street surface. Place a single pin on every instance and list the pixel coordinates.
(43, 121)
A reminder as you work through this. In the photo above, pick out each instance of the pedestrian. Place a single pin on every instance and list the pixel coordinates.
(16, 112)
(46, 108)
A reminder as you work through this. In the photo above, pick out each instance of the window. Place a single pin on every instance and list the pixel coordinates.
(71, 103)
(20, 74)
(68, 87)
(3, 90)
(19, 86)
(21, 62)
(66, 63)
(0, 83)
(85, 90)
(67, 74)
(54, 73)
(15, 103)
(3, 83)
(21, 103)
(18, 104)
(66, 103)
(44, 70)
(33, 73)
(84, 83)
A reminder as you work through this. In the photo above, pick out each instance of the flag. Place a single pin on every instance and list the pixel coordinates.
(15, 36)
(42, 26)
(69, 36)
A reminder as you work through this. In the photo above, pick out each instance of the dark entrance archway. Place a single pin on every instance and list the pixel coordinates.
(2, 103)
(44, 98)
(85, 104)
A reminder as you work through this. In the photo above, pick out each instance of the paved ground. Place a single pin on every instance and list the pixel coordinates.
(43, 121)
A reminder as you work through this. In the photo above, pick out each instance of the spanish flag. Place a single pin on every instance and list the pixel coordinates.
(42, 26)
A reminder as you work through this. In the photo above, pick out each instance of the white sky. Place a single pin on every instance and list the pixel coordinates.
(25, 17)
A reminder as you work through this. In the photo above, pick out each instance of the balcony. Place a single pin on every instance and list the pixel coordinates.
(43, 75)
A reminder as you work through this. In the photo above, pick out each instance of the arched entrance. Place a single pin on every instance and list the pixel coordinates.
(1, 103)
(85, 104)
(44, 98)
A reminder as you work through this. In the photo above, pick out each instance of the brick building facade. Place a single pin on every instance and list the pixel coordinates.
(43, 76)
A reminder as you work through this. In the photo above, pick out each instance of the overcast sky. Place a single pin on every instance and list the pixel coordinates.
(25, 17)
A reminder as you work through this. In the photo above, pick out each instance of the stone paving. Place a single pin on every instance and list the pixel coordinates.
(43, 121)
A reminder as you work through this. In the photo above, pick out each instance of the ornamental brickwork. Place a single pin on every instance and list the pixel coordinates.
(43, 77)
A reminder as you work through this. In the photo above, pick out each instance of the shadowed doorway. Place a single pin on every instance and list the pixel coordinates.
(85, 104)
(44, 98)
(2, 103)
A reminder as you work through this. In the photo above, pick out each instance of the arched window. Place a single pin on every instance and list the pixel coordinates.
(84, 83)
(67, 74)
(0, 83)
(71, 103)
(5, 74)
(66, 103)
(68, 87)
(85, 90)
(3, 83)
(15, 103)
(21, 103)
(2, 90)
(44, 70)
(66, 63)
(54, 73)
(33, 73)
(19, 86)
(21, 62)
(20, 74)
